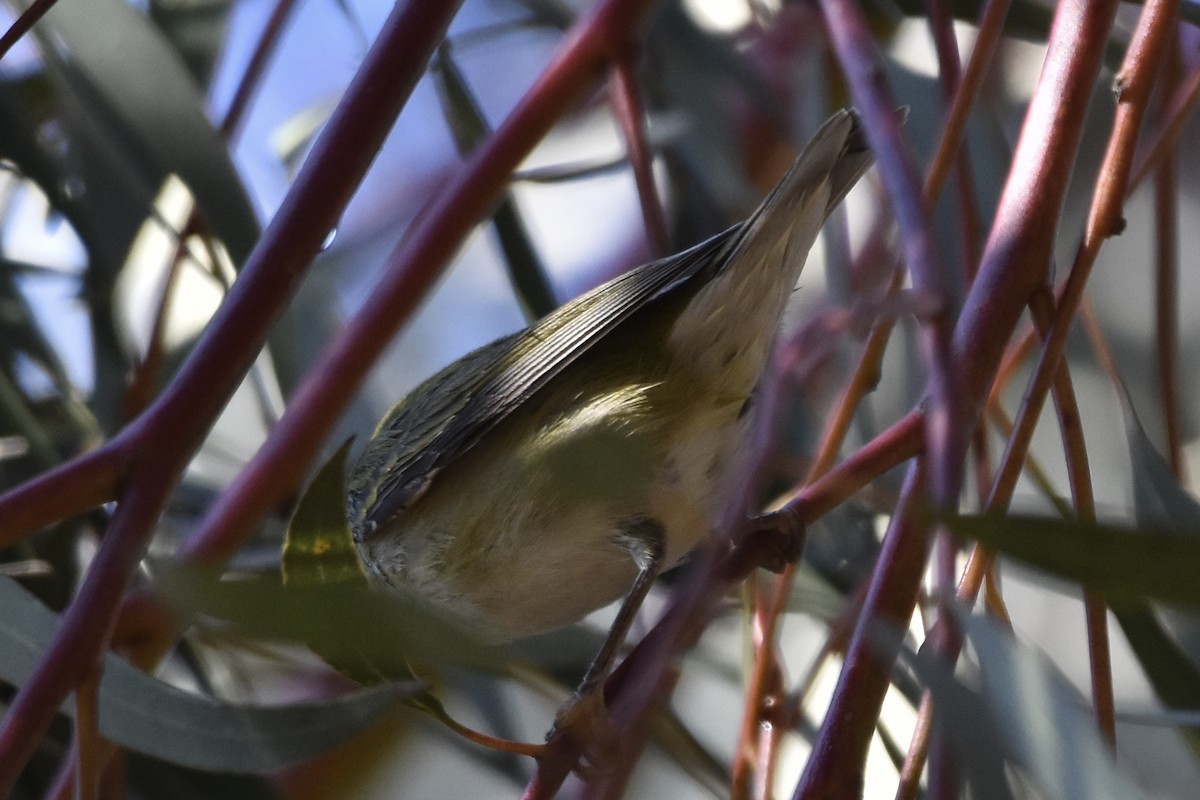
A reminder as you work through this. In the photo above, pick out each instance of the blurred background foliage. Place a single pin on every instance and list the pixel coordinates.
(130, 195)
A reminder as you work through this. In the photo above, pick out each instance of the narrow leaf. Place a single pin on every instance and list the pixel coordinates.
(159, 720)
(1159, 500)
(369, 635)
(121, 69)
(1044, 725)
(967, 724)
(318, 549)
(1124, 565)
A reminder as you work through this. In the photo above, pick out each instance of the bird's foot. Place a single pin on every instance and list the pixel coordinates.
(584, 720)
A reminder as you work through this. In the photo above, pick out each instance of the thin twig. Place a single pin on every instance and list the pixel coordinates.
(22, 24)
(279, 465)
(1167, 138)
(87, 738)
(256, 67)
(1166, 246)
(157, 446)
(1080, 477)
(630, 112)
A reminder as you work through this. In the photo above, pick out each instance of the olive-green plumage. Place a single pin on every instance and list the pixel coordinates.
(514, 487)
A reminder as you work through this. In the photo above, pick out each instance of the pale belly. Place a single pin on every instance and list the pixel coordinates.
(526, 545)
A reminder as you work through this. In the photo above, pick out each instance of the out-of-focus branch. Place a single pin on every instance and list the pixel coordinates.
(1166, 245)
(279, 466)
(631, 116)
(22, 24)
(157, 446)
(1014, 263)
(268, 42)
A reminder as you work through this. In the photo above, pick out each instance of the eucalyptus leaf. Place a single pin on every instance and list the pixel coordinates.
(1044, 725)
(965, 720)
(117, 64)
(318, 549)
(367, 634)
(1123, 565)
(1159, 500)
(196, 29)
(151, 717)
(1174, 676)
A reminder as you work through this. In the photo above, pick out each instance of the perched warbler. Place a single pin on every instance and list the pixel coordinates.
(554, 470)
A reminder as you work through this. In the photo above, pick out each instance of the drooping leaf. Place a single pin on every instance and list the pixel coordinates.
(367, 634)
(1123, 565)
(964, 719)
(196, 29)
(1173, 675)
(148, 107)
(1159, 500)
(157, 719)
(1044, 725)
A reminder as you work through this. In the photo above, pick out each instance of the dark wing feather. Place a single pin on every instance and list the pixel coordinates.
(448, 414)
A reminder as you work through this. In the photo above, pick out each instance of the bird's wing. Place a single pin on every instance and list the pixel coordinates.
(449, 413)
(445, 416)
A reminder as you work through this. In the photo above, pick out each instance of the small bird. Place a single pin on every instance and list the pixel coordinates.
(562, 467)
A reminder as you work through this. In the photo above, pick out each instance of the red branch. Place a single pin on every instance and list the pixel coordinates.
(279, 466)
(631, 116)
(1014, 264)
(945, 436)
(158, 445)
(268, 42)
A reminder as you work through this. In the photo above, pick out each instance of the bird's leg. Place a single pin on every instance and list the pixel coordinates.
(646, 541)
(585, 716)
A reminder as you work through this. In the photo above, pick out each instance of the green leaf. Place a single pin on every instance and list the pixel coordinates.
(367, 634)
(159, 720)
(1124, 565)
(319, 549)
(1175, 678)
(196, 29)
